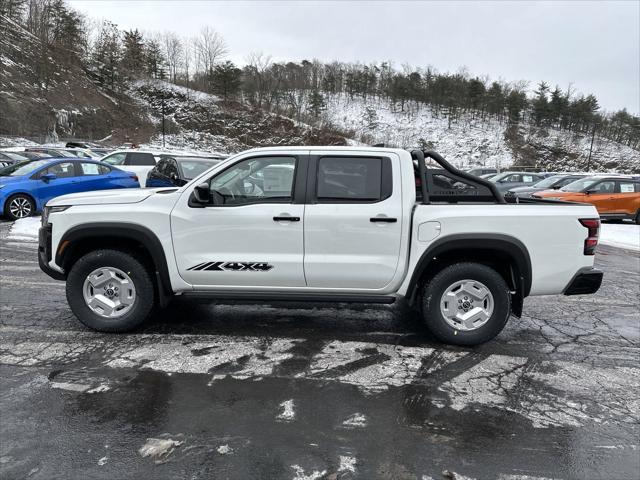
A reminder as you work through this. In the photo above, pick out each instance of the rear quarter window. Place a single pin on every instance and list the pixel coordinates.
(141, 159)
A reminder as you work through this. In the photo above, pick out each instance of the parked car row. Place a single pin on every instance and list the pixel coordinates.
(32, 177)
(25, 187)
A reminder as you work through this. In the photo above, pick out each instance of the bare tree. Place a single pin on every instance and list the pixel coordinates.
(173, 52)
(210, 47)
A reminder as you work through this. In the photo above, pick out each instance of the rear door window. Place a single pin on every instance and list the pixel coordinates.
(93, 169)
(627, 187)
(604, 187)
(140, 159)
(353, 179)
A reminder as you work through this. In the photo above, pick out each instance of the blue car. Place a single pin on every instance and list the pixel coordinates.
(26, 187)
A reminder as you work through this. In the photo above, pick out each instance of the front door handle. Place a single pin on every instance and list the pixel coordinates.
(286, 219)
(383, 219)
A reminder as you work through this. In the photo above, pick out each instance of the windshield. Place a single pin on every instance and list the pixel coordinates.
(548, 182)
(192, 168)
(22, 168)
(500, 176)
(579, 185)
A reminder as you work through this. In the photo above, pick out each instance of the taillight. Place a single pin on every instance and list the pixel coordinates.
(593, 226)
(135, 177)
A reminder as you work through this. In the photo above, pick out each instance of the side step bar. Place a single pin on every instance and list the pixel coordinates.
(289, 297)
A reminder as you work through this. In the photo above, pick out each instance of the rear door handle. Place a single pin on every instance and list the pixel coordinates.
(383, 219)
(286, 219)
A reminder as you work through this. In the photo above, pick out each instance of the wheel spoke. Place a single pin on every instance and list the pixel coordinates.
(476, 290)
(101, 278)
(100, 302)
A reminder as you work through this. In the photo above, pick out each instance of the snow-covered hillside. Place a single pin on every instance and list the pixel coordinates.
(473, 141)
(200, 121)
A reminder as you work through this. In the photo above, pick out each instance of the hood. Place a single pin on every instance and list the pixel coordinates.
(557, 193)
(525, 189)
(103, 197)
(10, 179)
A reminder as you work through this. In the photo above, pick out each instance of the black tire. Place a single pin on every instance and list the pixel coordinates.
(25, 200)
(436, 287)
(638, 217)
(145, 294)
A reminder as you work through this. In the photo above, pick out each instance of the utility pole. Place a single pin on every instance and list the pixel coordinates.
(163, 122)
(593, 135)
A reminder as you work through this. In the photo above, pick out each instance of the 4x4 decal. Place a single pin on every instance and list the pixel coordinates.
(232, 266)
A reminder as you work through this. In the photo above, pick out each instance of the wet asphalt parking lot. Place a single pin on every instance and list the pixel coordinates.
(211, 391)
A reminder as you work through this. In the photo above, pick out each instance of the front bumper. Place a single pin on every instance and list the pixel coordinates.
(585, 282)
(44, 253)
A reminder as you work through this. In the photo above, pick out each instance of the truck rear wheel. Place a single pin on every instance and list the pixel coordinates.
(466, 304)
(110, 291)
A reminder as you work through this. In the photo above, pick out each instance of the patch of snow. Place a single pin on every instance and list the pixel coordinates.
(620, 235)
(288, 413)
(301, 475)
(224, 450)
(347, 464)
(355, 420)
(102, 461)
(159, 447)
(25, 229)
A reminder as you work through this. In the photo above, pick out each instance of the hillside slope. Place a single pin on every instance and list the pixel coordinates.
(46, 93)
(472, 141)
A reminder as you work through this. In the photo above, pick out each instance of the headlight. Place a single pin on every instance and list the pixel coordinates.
(49, 210)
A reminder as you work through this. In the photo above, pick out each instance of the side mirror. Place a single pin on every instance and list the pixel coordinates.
(556, 187)
(589, 192)
(202, 194)
(48, 177)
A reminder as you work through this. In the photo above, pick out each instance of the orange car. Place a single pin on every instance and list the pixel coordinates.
(614, 197)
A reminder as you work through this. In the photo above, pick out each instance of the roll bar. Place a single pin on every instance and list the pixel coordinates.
(421, 156)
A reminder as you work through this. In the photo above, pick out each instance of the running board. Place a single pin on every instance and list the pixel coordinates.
(289, 297)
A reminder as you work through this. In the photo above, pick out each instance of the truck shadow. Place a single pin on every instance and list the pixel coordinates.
(392, 324)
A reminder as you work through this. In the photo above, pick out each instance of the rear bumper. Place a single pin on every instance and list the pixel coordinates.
(44, 253)
(585, 282)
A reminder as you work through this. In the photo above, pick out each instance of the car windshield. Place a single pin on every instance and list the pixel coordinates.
(192, 168)
(22, 168)
(548, 182)
(500, 176)
(579, 185)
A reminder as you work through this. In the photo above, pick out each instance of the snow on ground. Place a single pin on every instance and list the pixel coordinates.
(621, 235)
(25, 229)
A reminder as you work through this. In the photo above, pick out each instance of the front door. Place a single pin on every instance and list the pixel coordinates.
(353, 221)
(602, 196)
(251, 232)
(66, 181)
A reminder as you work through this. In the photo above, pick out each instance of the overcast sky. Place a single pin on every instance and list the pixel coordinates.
(594, 45)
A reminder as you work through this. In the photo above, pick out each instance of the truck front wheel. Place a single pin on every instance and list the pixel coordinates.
(110, 291)
(466, 304)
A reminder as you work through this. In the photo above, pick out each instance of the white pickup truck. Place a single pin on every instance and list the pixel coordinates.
(336, 224)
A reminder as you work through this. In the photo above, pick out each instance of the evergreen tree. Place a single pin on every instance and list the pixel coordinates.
(225, 80)
(133, 52)
(541, 104)
(153, 60)
(316, 103)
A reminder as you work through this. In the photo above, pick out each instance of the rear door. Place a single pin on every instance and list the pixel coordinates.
(353, 221)
(627, 198)
(92, 176)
